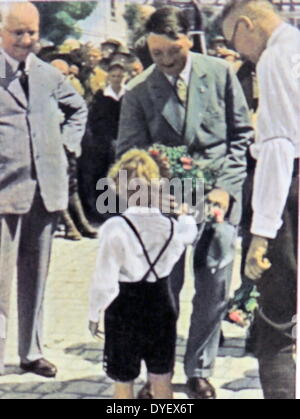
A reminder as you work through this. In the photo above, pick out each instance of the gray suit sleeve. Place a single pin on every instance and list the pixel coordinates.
(133, 128)
(75, 111)
(240, 135)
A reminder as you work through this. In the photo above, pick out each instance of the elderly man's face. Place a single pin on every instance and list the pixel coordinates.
(168, 54)
(244, 37)
(20, 33)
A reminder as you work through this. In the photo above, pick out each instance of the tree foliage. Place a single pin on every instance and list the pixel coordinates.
(132, 16)
(135, 22)
(59, 19)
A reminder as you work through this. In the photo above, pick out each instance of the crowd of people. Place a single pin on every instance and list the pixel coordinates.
(99, 74)
(75, 113)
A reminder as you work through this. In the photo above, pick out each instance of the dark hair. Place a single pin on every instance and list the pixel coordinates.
(169, 21)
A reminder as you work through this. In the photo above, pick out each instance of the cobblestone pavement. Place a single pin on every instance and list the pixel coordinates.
(78, 357)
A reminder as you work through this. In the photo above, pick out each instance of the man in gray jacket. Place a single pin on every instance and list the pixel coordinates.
(191, 99)
(33, 173)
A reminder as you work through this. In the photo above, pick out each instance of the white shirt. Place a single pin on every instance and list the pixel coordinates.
(120, 256)
(185, 74)
(278, 128)
(15, 63)
(108, 91)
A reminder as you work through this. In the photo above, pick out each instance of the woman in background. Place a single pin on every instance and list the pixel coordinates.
(98, 146)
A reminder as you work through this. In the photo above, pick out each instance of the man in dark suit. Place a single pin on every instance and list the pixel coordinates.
(191, 99)
(33, 173)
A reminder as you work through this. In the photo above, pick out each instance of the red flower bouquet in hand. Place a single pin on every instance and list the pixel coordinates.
(181, 165)
(177, 163)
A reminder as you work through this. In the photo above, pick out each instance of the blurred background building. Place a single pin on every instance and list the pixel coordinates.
(95, 21)
(107, 20)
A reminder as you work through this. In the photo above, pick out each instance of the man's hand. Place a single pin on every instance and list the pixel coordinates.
(256, 262)
(95, 332)
(219, 197)
(168, 204)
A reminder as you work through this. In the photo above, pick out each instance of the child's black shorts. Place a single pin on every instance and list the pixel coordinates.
(140, 324)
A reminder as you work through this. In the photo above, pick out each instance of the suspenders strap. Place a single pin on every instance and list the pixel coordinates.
(151, 264)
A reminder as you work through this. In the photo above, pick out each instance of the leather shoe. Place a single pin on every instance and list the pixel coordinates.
(200, 388)
(40, 367)
(89, 233)
(145, 392)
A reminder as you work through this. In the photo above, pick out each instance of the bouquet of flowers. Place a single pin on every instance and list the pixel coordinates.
(175, 162)
(180, 164)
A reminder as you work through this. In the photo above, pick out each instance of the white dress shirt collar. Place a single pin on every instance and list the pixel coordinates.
(15, 63)
(277, 33)
(185, 74)
(108, 91)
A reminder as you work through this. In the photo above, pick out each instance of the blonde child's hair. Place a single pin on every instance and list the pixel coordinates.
(138, 164)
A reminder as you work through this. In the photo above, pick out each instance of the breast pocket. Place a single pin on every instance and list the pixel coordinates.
(214, 124)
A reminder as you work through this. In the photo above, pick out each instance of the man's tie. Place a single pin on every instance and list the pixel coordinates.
(24, 78)
(182, 90)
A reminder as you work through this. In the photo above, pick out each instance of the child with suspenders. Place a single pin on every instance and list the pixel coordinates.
(137, 252)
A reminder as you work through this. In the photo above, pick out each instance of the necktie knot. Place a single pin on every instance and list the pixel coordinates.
(181, 89)
(22, 66)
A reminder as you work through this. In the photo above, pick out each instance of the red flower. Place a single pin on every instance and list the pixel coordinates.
(218, 213)
(154, 152)
(237, 317)
(186, 160)
(187, 167)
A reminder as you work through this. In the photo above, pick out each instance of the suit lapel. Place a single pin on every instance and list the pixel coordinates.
(166, 101)
(36, 79)
(198, 99)
(12, 85)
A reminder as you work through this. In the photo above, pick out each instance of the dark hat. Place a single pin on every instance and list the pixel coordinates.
(111, 41)
(46, 53)
(65, 57)
(123, 50)
(116, 64)
(120, 57)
